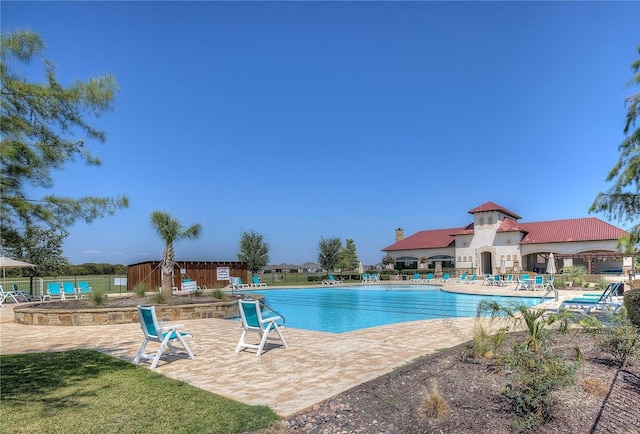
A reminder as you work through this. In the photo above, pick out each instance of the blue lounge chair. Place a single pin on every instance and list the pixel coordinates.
(257, 283)
(587, 304)
(334, 281)
(538, 283)
(53, 290)
(84, 289)
(68, 290)
(415, 278)
(463, 278)
(164, 335)
(509, 279)
(472, 279)
(428, 278)
(253, 321)
(445, 278)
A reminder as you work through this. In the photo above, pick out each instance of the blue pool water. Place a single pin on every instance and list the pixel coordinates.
(342, 309)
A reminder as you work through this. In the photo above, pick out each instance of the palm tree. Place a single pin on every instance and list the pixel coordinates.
(170, 230)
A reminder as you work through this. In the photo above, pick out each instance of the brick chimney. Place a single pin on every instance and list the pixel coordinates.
(399, 234)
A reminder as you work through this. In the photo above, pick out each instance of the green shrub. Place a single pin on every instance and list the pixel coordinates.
(140, 289)
(632, 305)
(98, 297)
(620, 339)
(159, 298)
(485, 344)
(219, 294)
(534, 376)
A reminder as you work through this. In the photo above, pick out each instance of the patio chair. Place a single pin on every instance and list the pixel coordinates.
(68, 290)
(428, 278)
(548, 284)
(237, 283)
(164, 335)
(334, 281)
(606, 301)
(365, 277)
(445, 278)
(521, 285)
(83, 289)
(472, 279)
(538, 283)
(415, 278)
(253, 321)
(7, 294)
(612, 290)
(256, 282)
(21, 295)
(463, 278)
(53, 290)
(375, 277)
(509, 279)
(488, 280)
(497, 280)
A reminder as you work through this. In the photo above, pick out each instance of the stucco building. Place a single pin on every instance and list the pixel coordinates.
(497, 241)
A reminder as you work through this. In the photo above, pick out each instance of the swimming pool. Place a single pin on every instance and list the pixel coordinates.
(343, 309)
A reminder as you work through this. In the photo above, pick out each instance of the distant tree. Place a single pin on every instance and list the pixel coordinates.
(388, 260)
(43, 248)
(622, 201)
(329, 253)
(38, 123)
(171, 231)
(348, 257)
(253, 250)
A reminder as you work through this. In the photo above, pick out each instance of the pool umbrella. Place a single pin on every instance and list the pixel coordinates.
(503, 267)
(360, 268)
(551, 265)
(12, 263)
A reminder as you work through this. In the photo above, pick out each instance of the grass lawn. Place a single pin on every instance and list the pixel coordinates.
(89, 392)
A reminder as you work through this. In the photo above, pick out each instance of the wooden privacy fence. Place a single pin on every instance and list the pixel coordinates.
(205, 273)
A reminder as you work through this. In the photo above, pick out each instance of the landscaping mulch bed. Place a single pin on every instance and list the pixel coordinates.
(603, 399)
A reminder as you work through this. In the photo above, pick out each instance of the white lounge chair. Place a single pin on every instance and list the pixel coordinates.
(16, 298)
(253, 321)
(164, 335)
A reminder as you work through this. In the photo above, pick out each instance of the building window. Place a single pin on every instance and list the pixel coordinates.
(481, 221)
(490, 220)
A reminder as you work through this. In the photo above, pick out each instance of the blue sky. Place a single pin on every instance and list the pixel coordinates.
(303, 120)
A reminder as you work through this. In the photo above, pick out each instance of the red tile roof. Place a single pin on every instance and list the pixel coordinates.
(509, 225)
(560, 231)
(431, 239)
(490, 206)
(553, 231)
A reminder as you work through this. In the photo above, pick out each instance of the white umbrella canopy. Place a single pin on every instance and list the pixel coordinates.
(551, 264)
(503, 266)
(13, 263)
(360, 268)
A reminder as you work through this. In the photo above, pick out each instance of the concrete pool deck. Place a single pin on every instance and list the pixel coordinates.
(316, 366)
